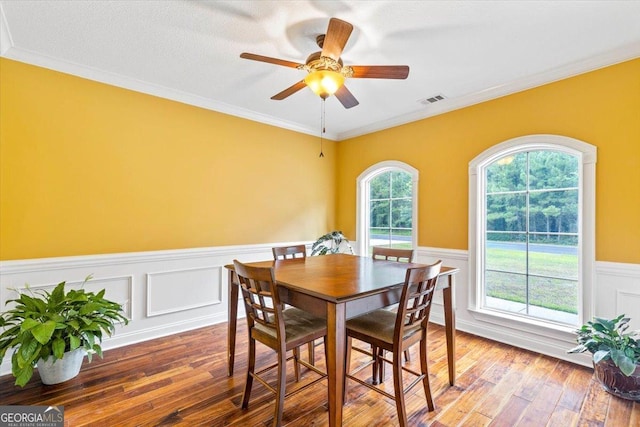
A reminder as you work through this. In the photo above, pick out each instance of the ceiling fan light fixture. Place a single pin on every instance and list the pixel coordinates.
(324, 83)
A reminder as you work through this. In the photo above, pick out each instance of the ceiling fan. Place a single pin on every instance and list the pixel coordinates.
(326, 70)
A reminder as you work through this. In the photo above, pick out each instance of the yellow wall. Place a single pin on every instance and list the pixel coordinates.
(601, 108)
(87, 168)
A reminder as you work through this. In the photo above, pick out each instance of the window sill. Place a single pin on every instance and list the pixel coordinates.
(525, 324)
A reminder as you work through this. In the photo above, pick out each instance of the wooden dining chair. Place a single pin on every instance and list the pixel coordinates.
(278, 328)
(389, 254)
(392, 254)
(289, 252)
(396, 332)
(296, 252)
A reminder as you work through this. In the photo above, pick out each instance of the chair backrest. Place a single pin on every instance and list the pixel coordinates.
(417, 294)
(259, 293)
(288, 252)
(392, 254)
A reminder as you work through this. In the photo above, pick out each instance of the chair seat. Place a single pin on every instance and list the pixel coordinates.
(298, 325)
(380, 325)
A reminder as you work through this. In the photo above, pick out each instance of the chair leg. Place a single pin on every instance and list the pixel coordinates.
(296, 363)
(347, 355)
(424, 369)
(280, 387)
(407, 356)
(326, 349)
(312, 352)
(398, 388)
(376, 366)
(347, 367)
(381, 366)
(251, 364)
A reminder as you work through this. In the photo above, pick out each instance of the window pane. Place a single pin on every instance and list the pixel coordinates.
(552, 169)
(401, 213)
(553, 299)
(506, 256)
(380, 233)
(553, 261)
(569, 243)
(400, 184)
(380, 213)
(379, 186)
(506, 212)
(507, 174)
(401, 238)
(508, 236)
(553, 212)
(505, 291)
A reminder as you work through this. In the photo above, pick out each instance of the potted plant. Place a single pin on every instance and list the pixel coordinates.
(616, 354)
(331, 243)
(54, 330)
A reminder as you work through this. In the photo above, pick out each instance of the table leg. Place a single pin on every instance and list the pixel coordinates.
(232, 321)
(336, 336)
(450, 328)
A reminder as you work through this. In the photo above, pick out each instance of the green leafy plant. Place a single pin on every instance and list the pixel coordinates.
(608, 339)
(44, 324)
(331, 243)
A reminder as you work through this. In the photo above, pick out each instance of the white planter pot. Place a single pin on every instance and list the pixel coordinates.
(54, 371)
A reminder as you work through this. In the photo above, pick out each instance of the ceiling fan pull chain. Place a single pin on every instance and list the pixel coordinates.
(322, 126)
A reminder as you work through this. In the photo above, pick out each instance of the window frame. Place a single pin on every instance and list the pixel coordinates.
(363, 201)
(587, 156)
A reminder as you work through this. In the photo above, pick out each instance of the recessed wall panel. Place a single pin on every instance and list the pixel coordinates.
(179, 290)
(117, 289)
(628, 303)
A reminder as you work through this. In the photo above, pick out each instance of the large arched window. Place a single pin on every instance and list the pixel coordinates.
(531, 231)
(387, 206)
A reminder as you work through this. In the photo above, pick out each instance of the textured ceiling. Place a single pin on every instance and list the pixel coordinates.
(467, 51)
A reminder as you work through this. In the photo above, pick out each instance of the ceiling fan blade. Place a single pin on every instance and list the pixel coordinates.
(380, 71)
(346, 98)
(289, 91)
(337, 35)
(270, 60)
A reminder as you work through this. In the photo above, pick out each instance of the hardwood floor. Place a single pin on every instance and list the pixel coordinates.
(182, 380)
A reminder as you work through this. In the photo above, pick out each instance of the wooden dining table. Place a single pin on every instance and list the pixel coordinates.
(339, 287)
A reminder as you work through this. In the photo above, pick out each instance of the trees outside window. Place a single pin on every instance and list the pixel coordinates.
(386, 206)
(390, 209)
(531, 235)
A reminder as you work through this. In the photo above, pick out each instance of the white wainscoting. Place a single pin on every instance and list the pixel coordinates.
(163, 292)
(166, 292)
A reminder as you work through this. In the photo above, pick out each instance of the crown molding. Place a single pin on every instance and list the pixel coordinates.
(8, 50)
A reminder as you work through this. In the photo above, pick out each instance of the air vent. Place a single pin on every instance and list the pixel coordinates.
(431, 100)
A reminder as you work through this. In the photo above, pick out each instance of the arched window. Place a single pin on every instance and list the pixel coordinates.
(387, 206)
(531, 230)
